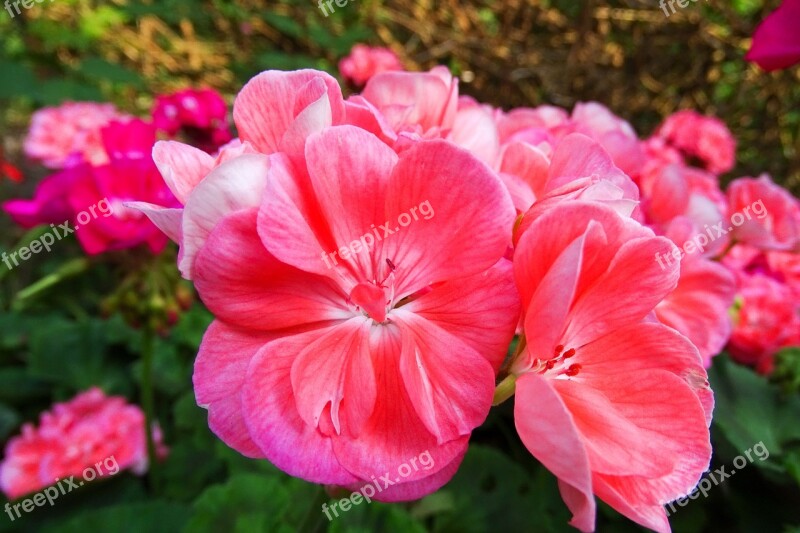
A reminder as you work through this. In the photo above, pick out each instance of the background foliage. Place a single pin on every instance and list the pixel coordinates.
(627, 55)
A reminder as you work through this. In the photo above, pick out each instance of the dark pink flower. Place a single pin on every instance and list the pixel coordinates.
(776, 41)
(200, 114)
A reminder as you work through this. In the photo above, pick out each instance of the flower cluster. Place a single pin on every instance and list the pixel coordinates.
(609, 262)
(74, 435)
(100, 153)
(547, 226)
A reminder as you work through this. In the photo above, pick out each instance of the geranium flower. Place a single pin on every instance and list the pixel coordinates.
(335, 367)
(612, 404)
(776, 44)
(69, 134)
(365, 62)
(89, 429)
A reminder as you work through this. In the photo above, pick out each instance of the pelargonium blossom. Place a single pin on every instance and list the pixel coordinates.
(74, 435)
(69, 134)
(200, 114)
(776, 43)
(373, 357)
(613, 404)
(364, 62)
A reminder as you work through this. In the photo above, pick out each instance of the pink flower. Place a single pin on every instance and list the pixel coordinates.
(615, 135)
(768, 320)
(579, 170)
(706, 138)
(201, 114)
(698, 307)
(776, 43)
(376, 355)
(418, 103)
(366, 61)
(69, 134)
(768, 304)
(770, 214)
(612, 404)
(682, 202)
(91, 428)
(92, 196)
(532, 125)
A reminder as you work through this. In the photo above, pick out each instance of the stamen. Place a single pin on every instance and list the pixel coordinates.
(573, 370)
(569, 353)
(559, 349)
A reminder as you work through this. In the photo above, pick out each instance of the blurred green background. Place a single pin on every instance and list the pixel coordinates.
(626, 55)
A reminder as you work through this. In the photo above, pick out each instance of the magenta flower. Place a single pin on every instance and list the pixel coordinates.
(776, 43)
(200, 114)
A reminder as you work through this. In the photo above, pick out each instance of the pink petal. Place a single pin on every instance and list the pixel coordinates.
(350, 182)
(235, 185)
(609, 304)
(394, 433)
(243, 284)
(548, 431)
(474, 129)
(291, 223)
(430, 172)
(620, 353)
(182, 166)
(219, 374)
(482, 310)
(167, 219)
(335, 372)
(698, 307)
(268, 104)
(275, 425)
(450, 385)
(776, 44)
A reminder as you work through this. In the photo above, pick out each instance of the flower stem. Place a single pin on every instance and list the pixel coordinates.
(148, 403)
(505, 389)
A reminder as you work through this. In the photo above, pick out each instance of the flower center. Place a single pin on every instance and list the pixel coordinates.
(558, 363)
(371, 296)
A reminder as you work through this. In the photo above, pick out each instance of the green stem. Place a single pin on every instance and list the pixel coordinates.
(68, 269)
(148, 403)
(505, 389)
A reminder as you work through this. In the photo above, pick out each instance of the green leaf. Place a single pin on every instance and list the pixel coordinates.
(95, 68)
(274, 503)
(750, 410)
(18, 79)
(9, 420)
(153, 517)
(510, 498)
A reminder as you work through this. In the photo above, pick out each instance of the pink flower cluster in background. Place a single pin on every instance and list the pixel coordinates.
(73, 436)
(104, 154)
